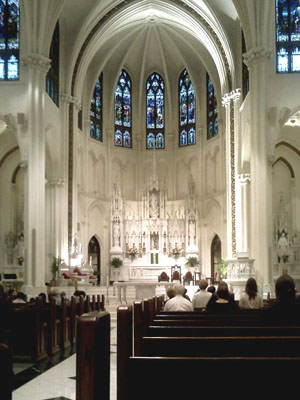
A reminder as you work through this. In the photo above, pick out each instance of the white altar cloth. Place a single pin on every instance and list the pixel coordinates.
(143, 290)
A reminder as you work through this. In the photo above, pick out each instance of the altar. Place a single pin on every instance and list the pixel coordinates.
(143, 290)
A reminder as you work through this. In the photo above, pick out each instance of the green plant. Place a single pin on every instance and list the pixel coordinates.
(192, 261)
(116, 262)
(56, 261)
(222, 268)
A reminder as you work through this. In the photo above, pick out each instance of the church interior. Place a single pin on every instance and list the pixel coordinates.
(154, 134)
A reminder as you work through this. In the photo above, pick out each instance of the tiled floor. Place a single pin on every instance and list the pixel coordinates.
(47, 382)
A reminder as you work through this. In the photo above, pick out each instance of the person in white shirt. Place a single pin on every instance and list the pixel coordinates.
(202, 297)
(250, 298)
(179, 303)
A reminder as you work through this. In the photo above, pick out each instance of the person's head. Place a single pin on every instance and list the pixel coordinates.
(32, 300)
(76, 293)
(179, 290)
(43, 297)
(211, 289)
(21, 295)
(203, 284)
(52, 294)
(82, 293)
(251, 288)
(222, 291)
(170, 293)
(285, 289)
(62, 294)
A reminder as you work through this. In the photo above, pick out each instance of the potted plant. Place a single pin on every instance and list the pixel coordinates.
(116, 262)
(56, 261)
(223, 268)
(192, 262)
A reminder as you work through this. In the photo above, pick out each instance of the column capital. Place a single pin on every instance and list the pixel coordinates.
(67, 98)
(234, 95)
(37, 62)
(257, 54)
(244, 179)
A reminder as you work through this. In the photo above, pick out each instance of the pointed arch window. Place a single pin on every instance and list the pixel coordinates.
(288, 35)
(52, 78)
(9, 39)
(96, 116)
(155, 112)
(187, 110)
(212, 109)
(123, 111)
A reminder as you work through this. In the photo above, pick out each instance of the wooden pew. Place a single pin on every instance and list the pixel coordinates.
(93, 356)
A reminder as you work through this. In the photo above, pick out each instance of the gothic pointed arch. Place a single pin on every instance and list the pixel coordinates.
(123, 111)
(186, 110)
(94, 256)
(216, 254)
(9, 39)
(96, 117)
(155, 112)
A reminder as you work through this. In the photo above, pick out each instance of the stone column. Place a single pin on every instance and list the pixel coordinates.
(261, 187)
(37, 67)
(56, 216)
(244, 180)
(74, 106)
(228, 101)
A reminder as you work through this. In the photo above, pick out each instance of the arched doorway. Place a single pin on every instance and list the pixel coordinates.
(215, 252)
(94, 256)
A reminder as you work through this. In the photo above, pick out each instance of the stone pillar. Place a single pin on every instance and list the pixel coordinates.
(293, 206)
(228, 101)
(244, 180)
(56, 216)
(37, 67)
(261, 187)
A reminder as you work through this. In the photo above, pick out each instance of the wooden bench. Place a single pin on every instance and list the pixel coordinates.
(6, 373)
(93, 356)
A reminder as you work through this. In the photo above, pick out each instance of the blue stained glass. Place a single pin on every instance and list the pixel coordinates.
(210, 129)
(296, 60)
(150, 141)
(212, 110)
(160, 141)
(295, 20)
(123, 111)
(13, 24)
(96, 110)
(186, 110)
(98, 132)
(2, 26)
(282, 60)
(118, 138)
(155, 111)
(2, 69)
(127, 139)
(192, 136)
(282, 20)
(183, 138)
(216, 127)
(12, 68)
(92, 129)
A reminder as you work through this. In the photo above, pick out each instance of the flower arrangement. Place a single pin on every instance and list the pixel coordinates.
(175, 252)
(132, 252)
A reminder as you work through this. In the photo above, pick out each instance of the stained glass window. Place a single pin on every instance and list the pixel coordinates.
(9, 39)
(155, 112)
(288, 35)
(96, 111)
(212, 109)
(52, 78)
(187, 113)
(245, 71)
(123, 111)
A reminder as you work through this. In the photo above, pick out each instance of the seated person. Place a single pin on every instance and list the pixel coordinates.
(43, 298)
(250, 298)
(20, 298)
(223, 302)
(179, 303)
(287, 307)
(185, 295)
(170, 293)
(202, 297)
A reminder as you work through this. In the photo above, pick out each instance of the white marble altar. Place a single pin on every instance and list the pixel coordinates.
(143, 289)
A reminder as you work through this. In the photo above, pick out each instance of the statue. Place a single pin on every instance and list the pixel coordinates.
(116, 235)
(283, 248)
(153, 206)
